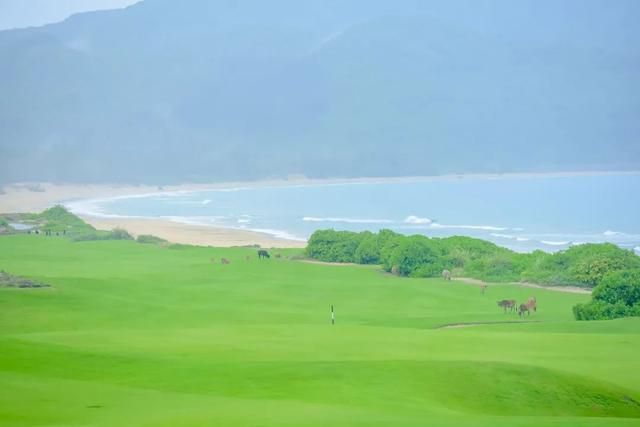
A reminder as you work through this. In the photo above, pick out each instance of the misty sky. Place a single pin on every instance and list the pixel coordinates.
(29, 13)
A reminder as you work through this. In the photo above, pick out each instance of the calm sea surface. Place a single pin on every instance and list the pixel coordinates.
(522, 213)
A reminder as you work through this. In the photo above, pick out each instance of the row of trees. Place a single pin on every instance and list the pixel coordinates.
(420, 256)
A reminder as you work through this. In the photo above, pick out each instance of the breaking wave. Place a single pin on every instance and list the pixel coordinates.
(347, 220)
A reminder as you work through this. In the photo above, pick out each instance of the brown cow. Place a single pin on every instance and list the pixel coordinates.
(225, 261)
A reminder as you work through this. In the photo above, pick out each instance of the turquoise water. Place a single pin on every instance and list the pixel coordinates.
(522, 213)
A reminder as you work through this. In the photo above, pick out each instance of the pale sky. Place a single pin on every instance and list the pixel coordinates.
(29, 13)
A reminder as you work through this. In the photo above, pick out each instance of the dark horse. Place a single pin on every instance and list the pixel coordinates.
(263, 254)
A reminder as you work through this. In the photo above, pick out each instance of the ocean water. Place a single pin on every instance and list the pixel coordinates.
(523, 213)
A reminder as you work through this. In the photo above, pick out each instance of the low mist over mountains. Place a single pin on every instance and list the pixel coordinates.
(166, 91)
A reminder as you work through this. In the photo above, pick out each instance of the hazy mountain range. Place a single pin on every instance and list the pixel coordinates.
(167, 91)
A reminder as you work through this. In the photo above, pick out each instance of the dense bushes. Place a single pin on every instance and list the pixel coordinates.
(115, 234)
(583, 265)
(618, 295)
(150, 239)
(334, 246)
(419, 256)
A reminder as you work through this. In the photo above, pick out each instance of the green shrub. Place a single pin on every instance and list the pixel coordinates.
(115, 234)
(417, 256)
(120, 234)
(582, 265)
(333, 246)
(618, 295)
(150, 239)
(367, 251)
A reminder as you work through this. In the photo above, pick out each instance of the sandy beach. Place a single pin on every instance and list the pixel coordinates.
(36, 197)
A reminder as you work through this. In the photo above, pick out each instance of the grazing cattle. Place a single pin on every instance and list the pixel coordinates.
(446, 274)
(225, 261)
(483, 288)
(263, 254)
(278, 256)
(507, 304)
(531, 304)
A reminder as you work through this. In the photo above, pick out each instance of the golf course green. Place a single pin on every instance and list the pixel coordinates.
(133, 334)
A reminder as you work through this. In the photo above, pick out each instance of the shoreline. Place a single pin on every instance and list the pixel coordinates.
(36, 197)
(190, 234)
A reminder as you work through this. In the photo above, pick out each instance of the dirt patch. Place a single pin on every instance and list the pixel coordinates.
(569, 289)
(566, 289)
(10, 281)
(470, 281)
(339, 264)
(471, 324)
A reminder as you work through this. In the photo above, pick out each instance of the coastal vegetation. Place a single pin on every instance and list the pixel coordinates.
(57, 220)
(150, 239)
(137, 334)
(420, 256)
(617, 295)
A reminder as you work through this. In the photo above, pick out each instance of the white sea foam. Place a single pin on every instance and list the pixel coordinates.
(93, 207)
(244, 221)
(610, 233)
(522, 239)
(503, 236)
(637, 249)
(280, 234)
(347, 220)
(555, 243)
(469, 227)
(206, 201)
(197, 220)
(412, 219)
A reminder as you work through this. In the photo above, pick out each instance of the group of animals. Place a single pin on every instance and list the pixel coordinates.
(261, 254)
(512, 305)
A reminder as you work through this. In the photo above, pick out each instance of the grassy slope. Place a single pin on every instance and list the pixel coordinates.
(143, 335)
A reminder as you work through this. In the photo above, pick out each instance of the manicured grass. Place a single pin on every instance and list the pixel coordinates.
(144, 335)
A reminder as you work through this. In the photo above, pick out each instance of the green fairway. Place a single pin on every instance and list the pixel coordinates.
(144, 335)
